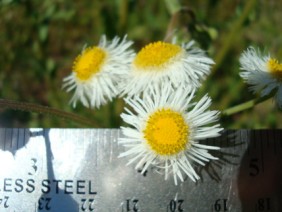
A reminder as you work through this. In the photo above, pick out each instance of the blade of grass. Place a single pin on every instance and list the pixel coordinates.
(233, 33)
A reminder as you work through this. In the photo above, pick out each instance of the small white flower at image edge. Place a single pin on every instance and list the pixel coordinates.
(263, 73)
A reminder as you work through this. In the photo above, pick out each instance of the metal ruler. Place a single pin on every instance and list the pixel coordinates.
(71, 170)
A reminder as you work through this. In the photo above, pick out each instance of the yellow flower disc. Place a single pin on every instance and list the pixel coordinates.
(166, 132)
(89, 63)
(275, 68)
(156, 55)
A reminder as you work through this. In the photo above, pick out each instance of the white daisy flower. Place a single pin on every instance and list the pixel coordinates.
(164, 134)
(97, 71)
(162, 62)
(263, 73)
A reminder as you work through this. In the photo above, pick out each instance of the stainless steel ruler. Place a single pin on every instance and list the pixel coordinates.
(71, 170)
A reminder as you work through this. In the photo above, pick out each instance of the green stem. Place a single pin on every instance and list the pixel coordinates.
(25, 106)
(233, 33)
(245, 105)
(112, 114)
(123, 15)
(173, 6)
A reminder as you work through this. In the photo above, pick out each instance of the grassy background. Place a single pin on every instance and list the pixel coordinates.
(40, 39)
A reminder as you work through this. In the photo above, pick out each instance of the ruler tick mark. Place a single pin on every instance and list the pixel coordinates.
(262, 151)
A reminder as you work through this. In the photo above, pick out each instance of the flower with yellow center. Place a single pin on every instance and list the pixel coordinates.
(160, 63)
(263, 73)
(89, 63)
(97, 71)
(166, 130)
(275, 69)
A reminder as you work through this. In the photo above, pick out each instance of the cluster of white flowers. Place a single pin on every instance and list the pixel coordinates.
(159, 83)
